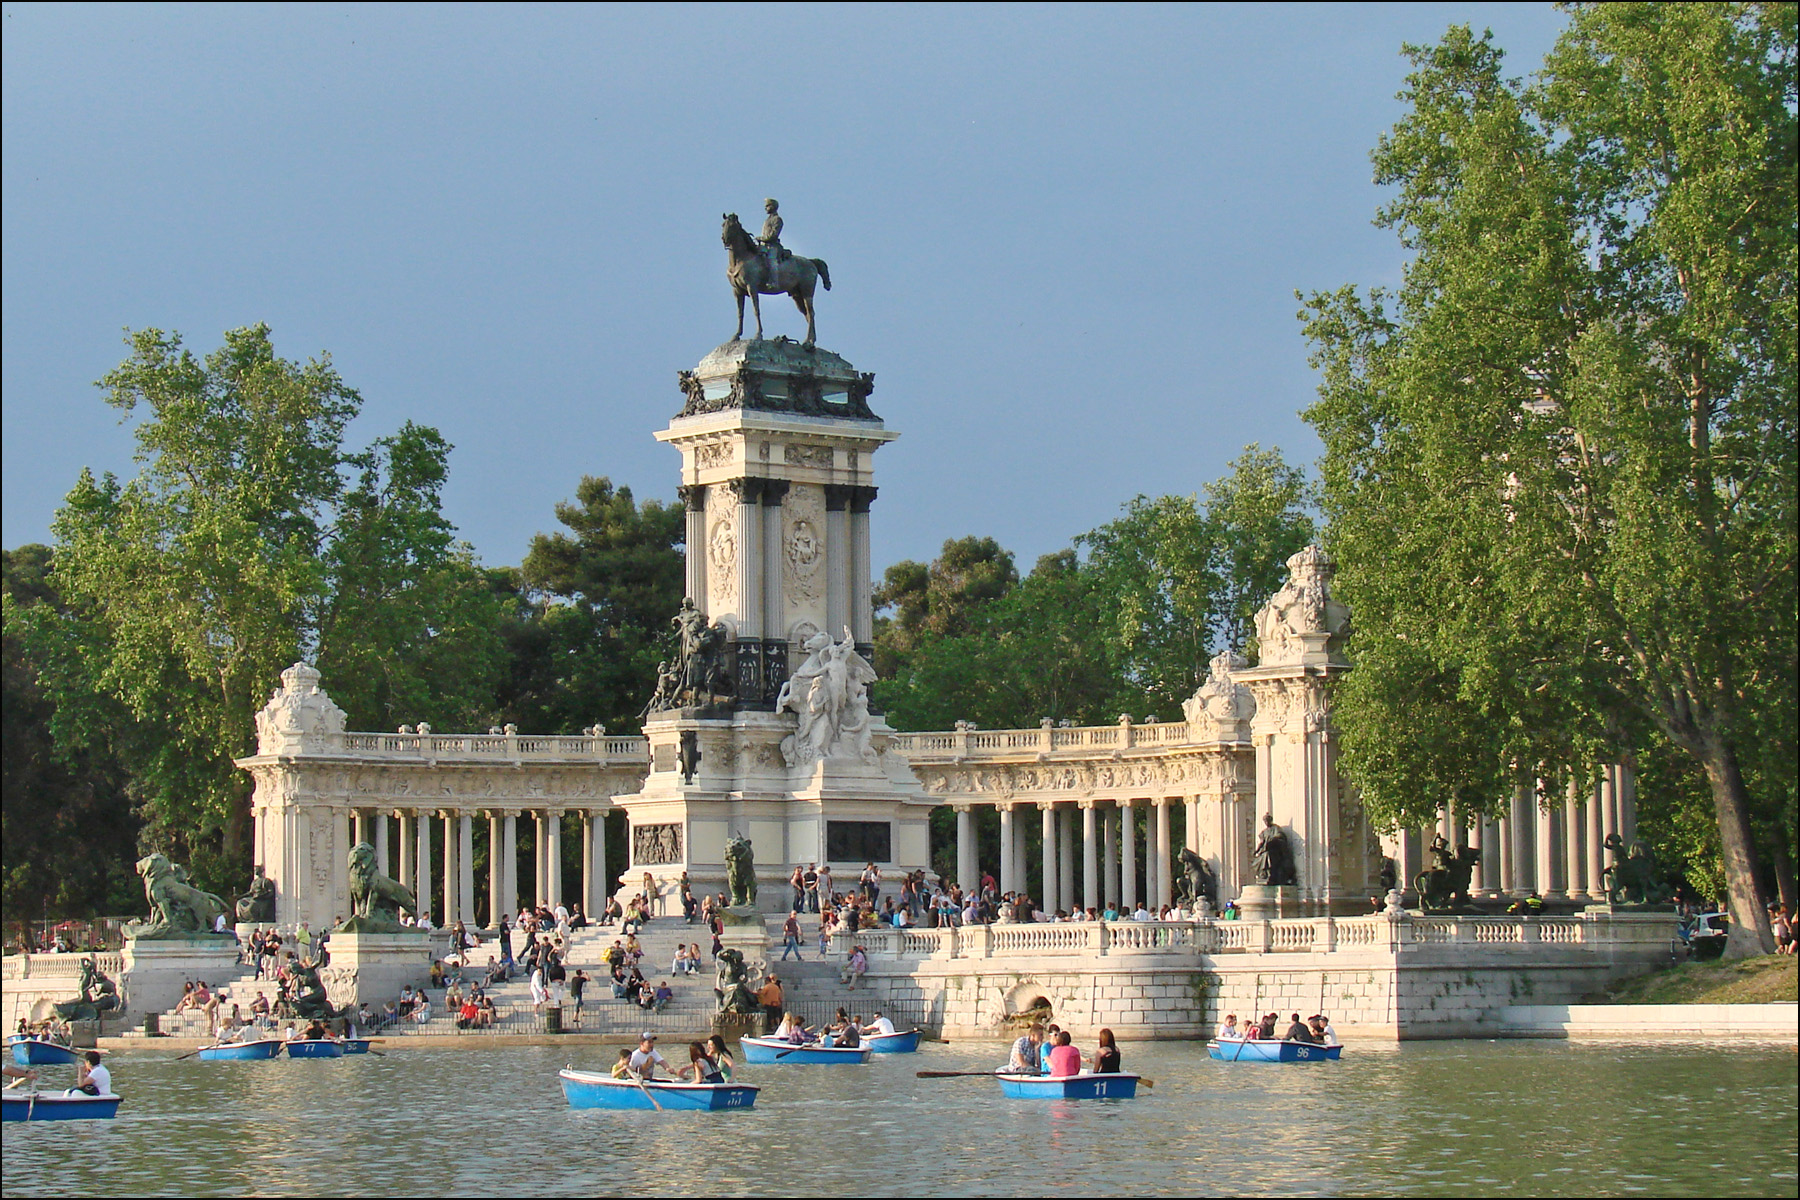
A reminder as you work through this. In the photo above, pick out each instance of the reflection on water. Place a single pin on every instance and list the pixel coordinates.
(1521, 1118)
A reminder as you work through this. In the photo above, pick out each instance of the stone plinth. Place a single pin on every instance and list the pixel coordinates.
(748, 936)
(155, 970)
(732, 1026)
(372, 967)
(1261, 902)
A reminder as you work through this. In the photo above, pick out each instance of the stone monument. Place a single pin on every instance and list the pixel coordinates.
(176, 943)
(372, 955)
(764, 725)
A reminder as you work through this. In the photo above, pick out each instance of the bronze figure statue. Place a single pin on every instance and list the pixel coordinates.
(740, 871)
(177, 908)
(1447, 886)
(733, 993)
(770, 269)
(701, 674)
(375, 899)
(1273, 858)
(98, 995)
(257, 906)
(1202, 884)
(1632, 878)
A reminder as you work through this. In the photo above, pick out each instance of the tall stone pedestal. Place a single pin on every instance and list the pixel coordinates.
(744, 932)
(1260, 902)
(372, 967)
(156, 970)
(732, 1026)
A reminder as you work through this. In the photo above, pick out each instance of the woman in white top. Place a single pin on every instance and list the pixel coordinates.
(539, 993)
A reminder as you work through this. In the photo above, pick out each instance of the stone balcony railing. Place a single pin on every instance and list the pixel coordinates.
(1306, 935)
(490, 747)
(57, 966)
(961, 744)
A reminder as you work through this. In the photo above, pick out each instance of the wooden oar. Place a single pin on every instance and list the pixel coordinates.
(956, 1074)
(638, 1079)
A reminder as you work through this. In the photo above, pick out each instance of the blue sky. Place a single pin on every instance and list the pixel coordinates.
(1065, 238)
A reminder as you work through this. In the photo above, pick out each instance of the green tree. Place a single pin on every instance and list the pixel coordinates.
(240, 546)
(591, 610)
(1560, 460)
(70, 827)
(916, 602)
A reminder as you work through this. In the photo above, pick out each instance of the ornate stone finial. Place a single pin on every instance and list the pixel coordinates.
(1302, 622)
(298, 714)
(1219, 707)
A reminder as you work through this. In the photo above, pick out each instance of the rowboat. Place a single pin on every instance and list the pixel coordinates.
(1271, 1050)
(356, 1045)
(584, 1089)
(54, 1106)
(240, 1051)
(777, 1050)
(42, 1052)
(316, 1048)
(1068, 1087)
(894, 1043)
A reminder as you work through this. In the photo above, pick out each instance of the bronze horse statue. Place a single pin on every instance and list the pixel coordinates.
(1446, 887)
(752, 275)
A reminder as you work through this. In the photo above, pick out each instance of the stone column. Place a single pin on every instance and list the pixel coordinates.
(968, 874)
(1190, 831)
(1128, 893)
(861, 571)
(1549, 857)
(465, 867)
(837, 559)
(749, 564)
(1110, 849)
(1164, 892)
(694, 497)
(360, 834)
(774, 552)
(381, 843)
(340, 863)
(1412, 857)
(1009, 872)
(553, 857)
(1065, 859)
(1478, 876)
(422, 858)
(496, 872)
(408, 876)
(596, 894)
(509, 864)
(1502, 841)
(1090, 863)
(1608, 813)
(1047, 815)
(452, 913)
(1574, 862)
(1523, 825)
(539, 861)
(1265, 781)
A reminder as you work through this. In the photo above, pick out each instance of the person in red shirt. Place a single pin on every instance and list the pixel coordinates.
(1065, 1060)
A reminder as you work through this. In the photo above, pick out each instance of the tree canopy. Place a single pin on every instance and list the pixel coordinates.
(1560, 459)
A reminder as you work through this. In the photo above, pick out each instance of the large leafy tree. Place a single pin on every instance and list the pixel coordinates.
(1560, 460)
(250, 537)
(590, 611)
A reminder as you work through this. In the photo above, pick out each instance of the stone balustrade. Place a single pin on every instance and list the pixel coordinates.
(1599, 933)
(484, 747)
(57, 966)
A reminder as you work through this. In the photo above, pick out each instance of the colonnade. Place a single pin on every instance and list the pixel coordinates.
(1557, 850)
(445, 882)
(1090, 851)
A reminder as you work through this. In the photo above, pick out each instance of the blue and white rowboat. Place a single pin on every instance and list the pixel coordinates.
(1271, 1051)
(584, 1089)
(317, 1048)
(785, 1053)
(1068, 1087)
(893, 1043)
(357, 1045)
(240, 1051)
(54, 1106)
(42, 1052)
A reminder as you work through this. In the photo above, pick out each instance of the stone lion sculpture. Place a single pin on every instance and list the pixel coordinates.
(177, 908)
(375, 899)
(740, 871)
(733, 993)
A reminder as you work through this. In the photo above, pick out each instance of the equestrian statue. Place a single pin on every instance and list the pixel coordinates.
(764, 267)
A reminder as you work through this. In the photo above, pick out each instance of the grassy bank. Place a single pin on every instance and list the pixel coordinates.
(1769, 979)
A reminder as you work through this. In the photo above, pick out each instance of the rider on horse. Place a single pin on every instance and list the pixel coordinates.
(773, 251)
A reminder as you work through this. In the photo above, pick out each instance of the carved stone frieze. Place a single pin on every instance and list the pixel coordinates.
(799, 455)
(655, 845)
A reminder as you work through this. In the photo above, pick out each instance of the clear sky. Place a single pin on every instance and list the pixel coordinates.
(1065, 238)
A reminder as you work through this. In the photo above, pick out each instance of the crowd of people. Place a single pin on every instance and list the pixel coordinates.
(1047, 1049)
(1315, 1030)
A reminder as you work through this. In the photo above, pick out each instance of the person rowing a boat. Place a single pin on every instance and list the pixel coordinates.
(645, 1059)
(881, 1026)
(95, 1080)
(1297, 1031)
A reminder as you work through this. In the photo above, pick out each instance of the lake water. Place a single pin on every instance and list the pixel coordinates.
(1432, 1118)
